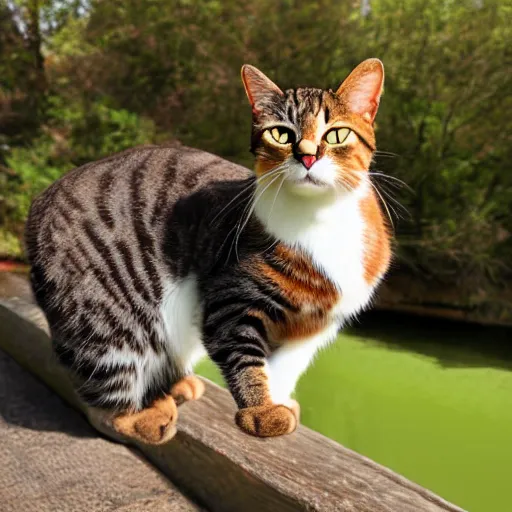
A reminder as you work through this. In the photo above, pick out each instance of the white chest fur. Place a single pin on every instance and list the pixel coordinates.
(331, 231)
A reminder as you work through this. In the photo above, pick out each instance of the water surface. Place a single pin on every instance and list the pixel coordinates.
(431, 400)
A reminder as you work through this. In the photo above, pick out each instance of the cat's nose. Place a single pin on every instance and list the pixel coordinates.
(308, 160)
(307, 152)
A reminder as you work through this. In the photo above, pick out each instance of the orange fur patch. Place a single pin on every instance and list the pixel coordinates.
(376, 239)
(304, 287)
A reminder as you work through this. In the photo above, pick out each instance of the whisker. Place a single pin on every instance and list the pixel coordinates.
(346, 183)
(246, 189)
(386, 176)
(276, 241)
(241, 226)
(397, 203)
(384, 203)
(386, 153)
(387, 193)
(394, 178)
(275, 197)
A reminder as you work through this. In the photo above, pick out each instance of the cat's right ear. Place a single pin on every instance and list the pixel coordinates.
(258, 87)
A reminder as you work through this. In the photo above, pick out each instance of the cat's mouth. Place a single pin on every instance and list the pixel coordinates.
(308, 179)
(309, 185)
(317, 180)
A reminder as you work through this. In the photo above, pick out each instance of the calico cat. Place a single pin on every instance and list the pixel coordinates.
(145, 260)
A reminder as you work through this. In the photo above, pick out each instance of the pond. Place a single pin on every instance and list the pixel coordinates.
(431, 400)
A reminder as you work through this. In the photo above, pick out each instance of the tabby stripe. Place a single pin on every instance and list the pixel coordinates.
(193, 178)
(278, 265)
(75, 261)
(115, 385)
(97, 398)
(101, 277)
(275, 314)
(274, 294)
(243, 364)
(215, 306)
(226, 355)
(138, 283)
(120, 282)
(46, 239)
(243, 343)
(70, 202)
(103, 198)
(63, 213)
(144, 239)
(251, 349)
(256, 324)
(168, 180)
(239, 304)
(67, 267)
(222, 317)
(105, 251)
(91, 371)
(118, 334)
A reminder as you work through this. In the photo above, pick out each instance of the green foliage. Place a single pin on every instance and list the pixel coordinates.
(89, 130)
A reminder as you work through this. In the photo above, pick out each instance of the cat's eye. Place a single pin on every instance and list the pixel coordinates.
(337, 135)
(281, 135)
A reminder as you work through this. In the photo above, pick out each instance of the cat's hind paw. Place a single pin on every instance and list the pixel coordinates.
(153, 425)
(267, 420)
(188, 388)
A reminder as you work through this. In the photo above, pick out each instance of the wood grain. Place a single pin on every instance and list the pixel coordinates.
(224, 469)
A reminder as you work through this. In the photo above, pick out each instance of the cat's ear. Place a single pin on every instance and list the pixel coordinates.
(258, 86)
(362, 89)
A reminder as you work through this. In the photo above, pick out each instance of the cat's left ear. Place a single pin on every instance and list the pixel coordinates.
(362, 89)
(258, 86)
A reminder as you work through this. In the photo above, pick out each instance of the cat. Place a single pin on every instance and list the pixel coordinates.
(148, 259)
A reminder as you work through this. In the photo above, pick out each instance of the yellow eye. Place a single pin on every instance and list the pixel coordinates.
(337, 135)
(281, 135)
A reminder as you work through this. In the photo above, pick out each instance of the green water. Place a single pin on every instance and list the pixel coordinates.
(431, 401)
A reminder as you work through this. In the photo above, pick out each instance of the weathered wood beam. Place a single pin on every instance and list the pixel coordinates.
(224, 469)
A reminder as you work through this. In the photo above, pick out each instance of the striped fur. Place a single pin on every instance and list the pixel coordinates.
(145, 260)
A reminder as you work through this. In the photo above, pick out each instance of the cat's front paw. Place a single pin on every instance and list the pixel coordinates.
(267, 420)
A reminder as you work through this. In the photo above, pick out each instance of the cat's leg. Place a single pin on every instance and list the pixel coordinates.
(179, 312)
(289, 362)
(238, 345)
(125, 389)
(189, 386)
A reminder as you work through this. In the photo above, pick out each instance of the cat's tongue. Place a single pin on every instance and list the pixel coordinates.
(308, 160)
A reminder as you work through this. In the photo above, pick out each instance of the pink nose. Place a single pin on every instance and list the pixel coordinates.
(308, 160)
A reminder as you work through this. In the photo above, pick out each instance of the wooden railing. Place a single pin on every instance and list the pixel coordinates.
(214, 462)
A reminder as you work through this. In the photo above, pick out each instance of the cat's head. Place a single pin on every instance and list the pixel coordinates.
(317, 141)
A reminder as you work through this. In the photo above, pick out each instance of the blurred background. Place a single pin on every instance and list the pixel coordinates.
(433, 400)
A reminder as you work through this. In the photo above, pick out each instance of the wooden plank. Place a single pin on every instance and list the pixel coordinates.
(225, 469)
